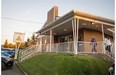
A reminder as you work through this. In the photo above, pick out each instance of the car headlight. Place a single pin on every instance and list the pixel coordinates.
(8, 59)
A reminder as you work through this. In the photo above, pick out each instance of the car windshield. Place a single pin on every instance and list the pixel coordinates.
(8, 52)
(5, 54)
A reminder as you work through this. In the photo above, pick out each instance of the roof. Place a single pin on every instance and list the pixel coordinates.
(73, 13)
(83, 14)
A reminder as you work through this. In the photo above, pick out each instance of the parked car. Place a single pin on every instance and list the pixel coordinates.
(7, 62)
(7, 58)
(9, 51)
(5, 54)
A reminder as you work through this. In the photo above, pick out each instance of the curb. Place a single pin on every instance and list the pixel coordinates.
(21, 69)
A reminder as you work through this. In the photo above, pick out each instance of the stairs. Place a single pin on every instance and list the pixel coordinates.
(27, 53)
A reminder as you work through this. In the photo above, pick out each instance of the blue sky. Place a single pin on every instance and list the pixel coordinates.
(36, 11)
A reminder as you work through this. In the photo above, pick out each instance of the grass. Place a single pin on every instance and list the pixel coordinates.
(65, 64)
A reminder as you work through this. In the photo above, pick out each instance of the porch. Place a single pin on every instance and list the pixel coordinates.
(73, 28)
(68, 47)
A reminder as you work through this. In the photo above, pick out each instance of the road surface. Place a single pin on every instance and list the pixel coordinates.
(12, 71)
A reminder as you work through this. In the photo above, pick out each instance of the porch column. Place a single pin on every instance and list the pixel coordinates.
(50, 40)
(75, 24)
(103, 38)
(73, 34)
(41, 44)
(37, 45)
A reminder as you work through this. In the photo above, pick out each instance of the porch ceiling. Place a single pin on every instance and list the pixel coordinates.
(63, 29)
(66, 28)
(95, 26)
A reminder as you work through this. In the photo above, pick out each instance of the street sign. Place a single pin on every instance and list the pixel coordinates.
(18, 37)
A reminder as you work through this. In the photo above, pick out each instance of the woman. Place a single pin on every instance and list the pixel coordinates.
(94, 44)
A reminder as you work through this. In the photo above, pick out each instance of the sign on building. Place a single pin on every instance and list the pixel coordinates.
(18, 37)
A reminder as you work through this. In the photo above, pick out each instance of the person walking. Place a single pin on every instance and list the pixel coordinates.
(93, 44)
(108, 45)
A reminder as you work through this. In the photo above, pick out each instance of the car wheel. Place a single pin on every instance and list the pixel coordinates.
(3, 66)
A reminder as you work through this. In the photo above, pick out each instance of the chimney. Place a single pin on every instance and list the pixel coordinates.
(52, 14)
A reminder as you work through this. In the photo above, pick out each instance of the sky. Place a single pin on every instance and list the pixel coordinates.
(28, 16)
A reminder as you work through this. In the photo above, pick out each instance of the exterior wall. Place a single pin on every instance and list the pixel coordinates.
(44, 42)
(85, 46)
(98, 35)
(111, 39)
(81, 35)
(87, 39)
(89, 33)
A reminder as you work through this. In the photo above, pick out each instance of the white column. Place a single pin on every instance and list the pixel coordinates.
(40, 44)
(75, 24)
(37, 44)
(50, 40)
(73, 33)
(103, 38)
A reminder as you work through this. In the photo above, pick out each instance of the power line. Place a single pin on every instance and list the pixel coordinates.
(21, 20)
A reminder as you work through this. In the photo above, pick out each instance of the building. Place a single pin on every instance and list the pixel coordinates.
(73, 31)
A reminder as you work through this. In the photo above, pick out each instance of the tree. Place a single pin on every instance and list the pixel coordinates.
(6, 44)
(33, 37)
(21, 45)
(10, 45)
(28, 40)
(26, 44)
(31, 41)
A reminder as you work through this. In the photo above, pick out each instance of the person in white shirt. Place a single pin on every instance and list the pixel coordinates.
(108, 45)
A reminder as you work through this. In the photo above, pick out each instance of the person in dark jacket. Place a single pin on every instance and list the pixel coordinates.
(93, 44)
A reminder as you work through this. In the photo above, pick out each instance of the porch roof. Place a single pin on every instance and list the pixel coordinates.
(73, 14)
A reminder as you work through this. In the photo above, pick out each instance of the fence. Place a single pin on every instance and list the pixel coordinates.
(65, 47)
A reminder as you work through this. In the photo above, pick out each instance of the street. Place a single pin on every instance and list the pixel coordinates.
(12, 71)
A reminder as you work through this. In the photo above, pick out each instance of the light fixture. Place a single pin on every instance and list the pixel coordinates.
(65, 29)
(93, 23)
(54, 33)
(96, 26)
(84, 24)
(70, 35)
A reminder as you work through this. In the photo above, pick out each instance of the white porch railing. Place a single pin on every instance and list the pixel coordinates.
(65, 47)
(69, 47)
